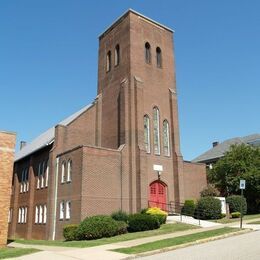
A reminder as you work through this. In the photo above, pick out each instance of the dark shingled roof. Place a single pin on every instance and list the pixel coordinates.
(219, 150)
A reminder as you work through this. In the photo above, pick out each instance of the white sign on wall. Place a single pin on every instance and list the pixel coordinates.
(158, 168)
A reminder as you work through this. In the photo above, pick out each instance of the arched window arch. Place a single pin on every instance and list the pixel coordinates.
(158, 57)
(69, 171)
(156, 130)
(147, 52)
(166, 138)
(108, 61)
(117, 55)
(147, 134)
(63, 169)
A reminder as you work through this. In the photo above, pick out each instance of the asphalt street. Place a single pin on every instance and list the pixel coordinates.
(242, 247)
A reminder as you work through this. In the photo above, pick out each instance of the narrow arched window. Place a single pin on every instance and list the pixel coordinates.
(69, 171)
(36, 217)
(156, 131)
(117, 55)
(147, 52)
(166, 138)
(108, 61)
(147, 134)
(158, 57)
(63, 169)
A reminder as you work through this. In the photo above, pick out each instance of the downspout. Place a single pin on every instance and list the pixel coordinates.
(55, 197)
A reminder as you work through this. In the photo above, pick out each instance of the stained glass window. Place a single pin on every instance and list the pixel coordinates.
(166, 141)
(147, 134)
(156, 138)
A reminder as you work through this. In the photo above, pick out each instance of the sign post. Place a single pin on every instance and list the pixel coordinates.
(242, 186)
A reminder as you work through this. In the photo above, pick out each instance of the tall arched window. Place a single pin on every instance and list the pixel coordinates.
(147, 134)
(117, 55)
(108, 62)
(166, 138)
(158, 57)
(156, 131)
(147, 52)
(69, 171)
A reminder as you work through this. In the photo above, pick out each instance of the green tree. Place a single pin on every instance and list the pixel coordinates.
(240, 162)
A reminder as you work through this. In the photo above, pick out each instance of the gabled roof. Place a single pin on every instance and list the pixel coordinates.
(47, 137)
(220, 149)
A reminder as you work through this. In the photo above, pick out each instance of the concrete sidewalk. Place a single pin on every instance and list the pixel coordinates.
(98, 252)
(102, 252)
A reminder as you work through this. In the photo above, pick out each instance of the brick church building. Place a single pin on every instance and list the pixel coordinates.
(120, 152)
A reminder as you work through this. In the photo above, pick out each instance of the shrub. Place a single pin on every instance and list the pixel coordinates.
(97, 227)
(121, 227)
(141, 222)
(235, 214)
(143, 211)
(70, 232)
(223, 215)
(209, 191)
(120, 216)
(188, 208)
(208, 208)
(161, 215)
(234, 202)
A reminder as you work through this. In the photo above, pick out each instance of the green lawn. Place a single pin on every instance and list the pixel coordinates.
(164, 229)
(15, 252)
(246, 217)
(175, 241)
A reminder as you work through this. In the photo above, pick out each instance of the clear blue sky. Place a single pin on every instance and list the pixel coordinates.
(48, 63)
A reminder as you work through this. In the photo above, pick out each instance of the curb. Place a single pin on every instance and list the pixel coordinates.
(197, 242)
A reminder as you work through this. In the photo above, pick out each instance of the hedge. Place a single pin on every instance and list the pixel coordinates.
(235, 214)
(141, 222)
(70, 232)
(234, 202)
(97, 227)
(188, 208)
(120, 216)
(208, 208)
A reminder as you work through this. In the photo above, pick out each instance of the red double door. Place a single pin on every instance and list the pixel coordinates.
(157, 196)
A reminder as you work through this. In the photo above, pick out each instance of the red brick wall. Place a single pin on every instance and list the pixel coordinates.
(194, 179)
(101, 181)
(7, 144)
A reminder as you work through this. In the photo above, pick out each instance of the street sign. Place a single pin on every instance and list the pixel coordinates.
(242, 184)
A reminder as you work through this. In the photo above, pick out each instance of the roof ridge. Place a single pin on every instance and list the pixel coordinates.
(48, 136)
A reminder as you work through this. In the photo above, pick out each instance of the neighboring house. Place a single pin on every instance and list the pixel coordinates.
(218, 150)
(120, 152)
(7, 144)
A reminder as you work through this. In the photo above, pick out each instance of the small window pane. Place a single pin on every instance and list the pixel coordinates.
(68, 209)
(117, 55)
(63, 167)
(108, 61)
(36, 214)
(159, 57)
(62, 210)
(69, 171)
(147, 52)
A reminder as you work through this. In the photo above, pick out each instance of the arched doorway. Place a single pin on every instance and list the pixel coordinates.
(157, 196)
